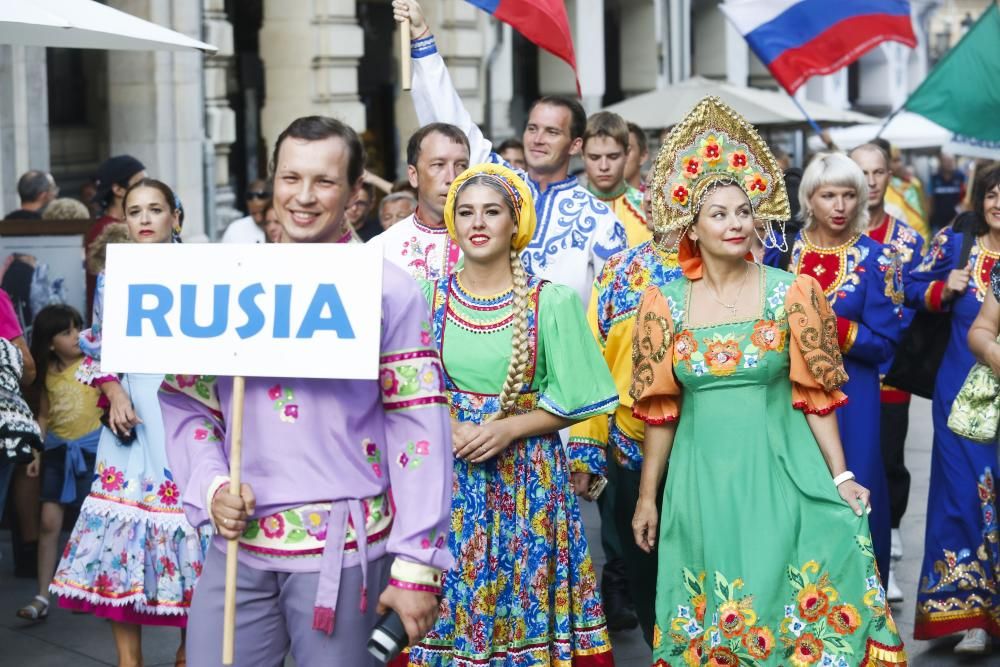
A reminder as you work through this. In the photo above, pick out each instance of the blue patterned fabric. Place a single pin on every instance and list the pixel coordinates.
(957, 589)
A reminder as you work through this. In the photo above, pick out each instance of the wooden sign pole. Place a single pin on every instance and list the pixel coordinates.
(233, 546)
(405, 76)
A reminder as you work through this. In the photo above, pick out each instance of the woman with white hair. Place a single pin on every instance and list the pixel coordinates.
(861, 278)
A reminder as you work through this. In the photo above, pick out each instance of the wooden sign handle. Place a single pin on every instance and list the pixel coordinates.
(233, 546)
(405, 76)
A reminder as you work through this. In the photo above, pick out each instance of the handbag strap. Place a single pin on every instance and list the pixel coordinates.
(968, 238)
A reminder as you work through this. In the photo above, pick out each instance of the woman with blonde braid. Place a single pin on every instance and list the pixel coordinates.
(520, 364)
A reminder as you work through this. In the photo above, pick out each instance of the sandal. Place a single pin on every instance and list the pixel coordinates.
(36, 610)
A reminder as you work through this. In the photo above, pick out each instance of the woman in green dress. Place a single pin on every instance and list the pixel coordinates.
(520, 364)
(765, 555)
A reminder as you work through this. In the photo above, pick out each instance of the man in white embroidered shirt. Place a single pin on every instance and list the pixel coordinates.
(576, 232)
(419, 244)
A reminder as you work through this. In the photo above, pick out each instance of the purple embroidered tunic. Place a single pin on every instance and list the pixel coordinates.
(369, 461)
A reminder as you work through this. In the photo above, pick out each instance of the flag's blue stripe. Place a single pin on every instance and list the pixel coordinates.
(807, 20)
(486, 5)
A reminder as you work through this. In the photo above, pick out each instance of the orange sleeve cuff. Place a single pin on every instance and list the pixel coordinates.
(847, 333)
(932, 297)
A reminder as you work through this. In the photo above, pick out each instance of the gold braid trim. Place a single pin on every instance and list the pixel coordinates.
(650, 343)
(819, 345)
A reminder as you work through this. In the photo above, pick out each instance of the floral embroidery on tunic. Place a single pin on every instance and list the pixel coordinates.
(414, 454)
(208, 432)
(302, 531)
(288, 411)
(411, 379)
(373, 455)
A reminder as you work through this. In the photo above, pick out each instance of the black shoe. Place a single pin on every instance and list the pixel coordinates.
(618, 608)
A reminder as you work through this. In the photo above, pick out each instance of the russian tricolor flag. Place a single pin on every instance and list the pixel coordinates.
(797, 39)
(542, 22)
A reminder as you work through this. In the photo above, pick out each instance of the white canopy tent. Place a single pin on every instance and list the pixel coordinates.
(665, 107)
(906, 131)
(84, 24)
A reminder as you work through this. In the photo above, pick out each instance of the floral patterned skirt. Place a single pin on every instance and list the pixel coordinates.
(523, 589)
(132, 556)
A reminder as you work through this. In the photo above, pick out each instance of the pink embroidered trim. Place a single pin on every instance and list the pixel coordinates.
(269, 551)
(412, 354)
(349, 545)
(98, 381)
(407, 586)
(428, 400)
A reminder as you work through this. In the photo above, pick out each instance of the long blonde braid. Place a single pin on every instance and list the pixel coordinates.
(520, 345)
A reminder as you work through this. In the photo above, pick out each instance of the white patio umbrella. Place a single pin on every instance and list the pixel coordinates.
(665, 107)
(84, 24)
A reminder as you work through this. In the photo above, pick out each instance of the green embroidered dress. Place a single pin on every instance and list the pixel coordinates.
(761, 561)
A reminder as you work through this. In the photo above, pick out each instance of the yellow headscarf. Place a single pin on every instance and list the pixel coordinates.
(517, 193)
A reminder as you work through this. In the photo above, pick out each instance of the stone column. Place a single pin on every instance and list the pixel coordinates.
(220, 120)
(310, 52)
(24, 118)
(640, 58)
(156, 108)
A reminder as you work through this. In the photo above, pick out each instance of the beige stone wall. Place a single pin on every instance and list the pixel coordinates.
(310, 52)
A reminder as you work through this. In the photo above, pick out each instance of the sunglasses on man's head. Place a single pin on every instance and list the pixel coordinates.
(258, 194)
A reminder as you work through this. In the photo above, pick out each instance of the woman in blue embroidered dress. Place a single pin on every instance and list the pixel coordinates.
(523, 589)
(960, 577)
(862, 279)
(132, 558)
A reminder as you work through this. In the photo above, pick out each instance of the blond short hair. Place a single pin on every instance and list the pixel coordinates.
(837, 170)
(66, 208)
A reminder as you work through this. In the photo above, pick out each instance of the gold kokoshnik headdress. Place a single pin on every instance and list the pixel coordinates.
(515, 190)
(714, 144)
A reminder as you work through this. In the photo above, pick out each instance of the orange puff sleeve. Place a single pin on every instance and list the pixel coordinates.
(654, 387)
(817, 369)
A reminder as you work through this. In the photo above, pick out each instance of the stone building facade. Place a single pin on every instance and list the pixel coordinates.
(205, 124)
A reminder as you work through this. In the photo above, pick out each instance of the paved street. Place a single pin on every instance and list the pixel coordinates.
(84, 641)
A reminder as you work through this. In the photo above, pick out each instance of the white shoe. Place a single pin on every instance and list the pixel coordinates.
(974, 641)
(893, 593)
(896, 545)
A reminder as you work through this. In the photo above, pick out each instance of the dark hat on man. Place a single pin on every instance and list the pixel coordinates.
(118, 169)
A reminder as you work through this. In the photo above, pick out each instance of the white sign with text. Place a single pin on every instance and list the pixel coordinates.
(286, 310)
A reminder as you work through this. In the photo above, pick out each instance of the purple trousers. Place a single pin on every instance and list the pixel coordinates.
(274, 615)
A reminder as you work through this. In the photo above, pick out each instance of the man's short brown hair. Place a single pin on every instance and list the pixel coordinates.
(607, 124)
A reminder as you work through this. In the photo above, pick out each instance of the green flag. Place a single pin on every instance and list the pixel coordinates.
(962, 92)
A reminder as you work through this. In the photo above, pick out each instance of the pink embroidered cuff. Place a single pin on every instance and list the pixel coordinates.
(413, 574)
(407, 586)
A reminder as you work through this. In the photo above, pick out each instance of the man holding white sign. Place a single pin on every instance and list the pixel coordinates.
(339, 473)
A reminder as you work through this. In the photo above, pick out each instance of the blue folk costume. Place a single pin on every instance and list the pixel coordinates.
(961, 568)
(862, 279)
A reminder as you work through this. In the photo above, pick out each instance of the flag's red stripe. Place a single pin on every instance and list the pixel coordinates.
(841, 45)
(543, 22)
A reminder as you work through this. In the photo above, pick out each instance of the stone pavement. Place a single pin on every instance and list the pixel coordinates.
(83, 641)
